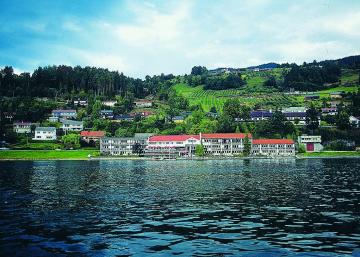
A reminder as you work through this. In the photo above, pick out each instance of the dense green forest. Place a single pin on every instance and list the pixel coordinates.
(53, 81)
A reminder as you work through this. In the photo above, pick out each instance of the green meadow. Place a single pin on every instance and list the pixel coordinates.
(47, 154)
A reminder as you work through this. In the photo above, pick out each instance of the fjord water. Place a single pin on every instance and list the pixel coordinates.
(202, 208)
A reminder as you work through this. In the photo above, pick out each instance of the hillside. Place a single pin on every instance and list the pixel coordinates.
(254, 92)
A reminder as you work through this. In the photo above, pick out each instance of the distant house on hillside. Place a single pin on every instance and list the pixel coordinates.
(9, 115)
(311, 97)
(295, 109)
(64, 114)
(354, 121)
(22, 127)
(109, 103)
(94, 136)
(53, 119)
(72, 125)
(123, 117)
(336, 95)
(107, 114)
(142, 113)
(260, 115)
(178, 119)
(45, 133)
(298, 118)
(329, 111)
(143, 103)
(80, 102)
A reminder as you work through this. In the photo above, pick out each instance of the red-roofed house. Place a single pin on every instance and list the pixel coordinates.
(224, 143)
(273, 147)
(88, 136)
(172, 146)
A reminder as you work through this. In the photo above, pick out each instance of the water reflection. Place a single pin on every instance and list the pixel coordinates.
(230, 207)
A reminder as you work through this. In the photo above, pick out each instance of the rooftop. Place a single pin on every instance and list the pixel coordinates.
(50, 129)
(272, 141)
(71, 122)
(92, 133)
(226, 135)
(64, 111)
(176, 138)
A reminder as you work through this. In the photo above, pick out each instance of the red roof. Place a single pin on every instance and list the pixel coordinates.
(92, 133)
(226, 135)
(175, 138)
(272, 141)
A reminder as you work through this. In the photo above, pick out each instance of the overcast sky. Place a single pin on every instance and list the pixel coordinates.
(153, 37)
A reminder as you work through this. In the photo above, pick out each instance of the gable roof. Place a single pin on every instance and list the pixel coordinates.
(64, 111)
(226, 135)
(50, 129)
(71, 122)
(92, 133)
(176, 138)
(272, 141)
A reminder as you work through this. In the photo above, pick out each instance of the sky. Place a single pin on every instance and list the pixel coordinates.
(142, 38)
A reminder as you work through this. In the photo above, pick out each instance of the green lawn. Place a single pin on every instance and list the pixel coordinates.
(47, 154)
(331, 154)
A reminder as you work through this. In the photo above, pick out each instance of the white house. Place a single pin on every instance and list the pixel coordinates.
(72, 125)
(22, 127)
(109, 103)
(45, 133)
(142, 103)
(354, 121)
(64, 113)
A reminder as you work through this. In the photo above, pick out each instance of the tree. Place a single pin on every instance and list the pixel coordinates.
(225, 124)
(123, 132)
(312, 118)
(199, 150)
(232, 108)
(213, 109)
(96, 108)
(271, 82)
(137, 149)
(342, 121)
(247, 146)
(71, 141)
(198, 70)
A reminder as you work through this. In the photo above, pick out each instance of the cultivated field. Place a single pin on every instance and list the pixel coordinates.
(254, 93)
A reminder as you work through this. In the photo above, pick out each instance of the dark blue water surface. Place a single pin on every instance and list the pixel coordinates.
(161, 208)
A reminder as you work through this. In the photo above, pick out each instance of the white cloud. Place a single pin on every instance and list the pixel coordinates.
(172, 36)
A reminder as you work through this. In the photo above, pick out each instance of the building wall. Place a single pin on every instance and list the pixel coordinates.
(220, 146)
(70, 127)
(45, 135)
(120, 146)
(21, 129)
(273, 149)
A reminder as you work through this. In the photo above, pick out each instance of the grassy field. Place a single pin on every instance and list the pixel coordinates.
(47, 154)
(255, 93)
(331, 154)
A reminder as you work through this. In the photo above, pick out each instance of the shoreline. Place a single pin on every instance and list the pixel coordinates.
(91, 155)
(130, 158)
